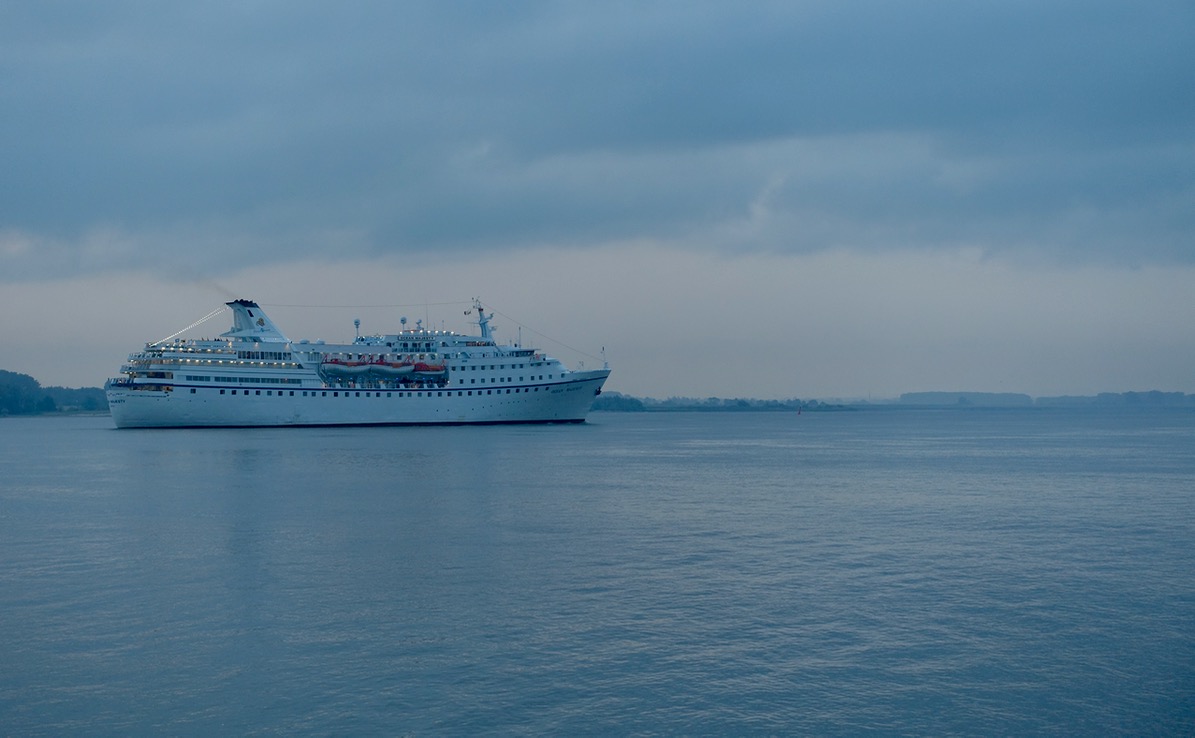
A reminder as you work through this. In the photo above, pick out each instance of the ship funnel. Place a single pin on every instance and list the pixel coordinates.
(251, 322)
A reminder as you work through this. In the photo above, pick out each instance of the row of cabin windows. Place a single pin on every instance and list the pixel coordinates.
(267, 355)
(509, 379)
(244, 380)
(337, 393)
(495, 367)
(270, 380)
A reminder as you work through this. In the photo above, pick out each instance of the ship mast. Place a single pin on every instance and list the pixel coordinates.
(483, 320)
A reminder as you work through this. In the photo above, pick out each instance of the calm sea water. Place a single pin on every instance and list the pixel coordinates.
(1009, 572)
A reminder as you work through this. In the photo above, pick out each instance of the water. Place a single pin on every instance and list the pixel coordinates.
(1009, 572)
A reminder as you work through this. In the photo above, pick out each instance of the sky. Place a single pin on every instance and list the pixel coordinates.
(815, 200)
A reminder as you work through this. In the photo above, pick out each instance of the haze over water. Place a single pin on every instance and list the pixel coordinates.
(983, 572)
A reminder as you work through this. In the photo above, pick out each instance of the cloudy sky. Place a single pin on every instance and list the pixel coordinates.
(790, 199)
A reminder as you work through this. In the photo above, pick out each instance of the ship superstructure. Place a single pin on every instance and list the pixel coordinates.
(253, 375)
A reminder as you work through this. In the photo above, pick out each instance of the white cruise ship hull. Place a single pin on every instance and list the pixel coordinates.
(563, 402)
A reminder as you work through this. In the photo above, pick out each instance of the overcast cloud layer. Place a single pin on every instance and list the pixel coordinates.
(195, 135)
(850, 197)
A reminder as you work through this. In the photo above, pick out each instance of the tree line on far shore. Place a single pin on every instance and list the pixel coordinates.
(618, 402)
(21, 394)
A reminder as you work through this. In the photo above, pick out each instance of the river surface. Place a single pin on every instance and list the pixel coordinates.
(1002, 572)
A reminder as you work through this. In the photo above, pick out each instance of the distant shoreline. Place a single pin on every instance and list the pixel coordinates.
(617, 402)
(22, 396)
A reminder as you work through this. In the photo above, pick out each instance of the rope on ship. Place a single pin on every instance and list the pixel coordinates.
(544, 336)
(201, 321)
(364, 307)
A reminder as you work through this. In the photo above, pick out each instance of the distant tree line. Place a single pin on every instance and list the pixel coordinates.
(1153, 398)
(21, 394)
(618, 402)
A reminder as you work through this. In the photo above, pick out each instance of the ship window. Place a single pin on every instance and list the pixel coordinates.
(358, 394)
(292, 393)
(257, 392)
(334, 394)
(192, 390)
(489, 392)
(268, 392)
(221, 391)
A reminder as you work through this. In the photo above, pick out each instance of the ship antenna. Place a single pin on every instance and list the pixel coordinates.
(357, 327)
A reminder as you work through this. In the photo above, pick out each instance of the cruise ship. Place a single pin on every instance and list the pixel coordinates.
(254, 376)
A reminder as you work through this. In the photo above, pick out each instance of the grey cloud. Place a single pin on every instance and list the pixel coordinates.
(196, 135)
